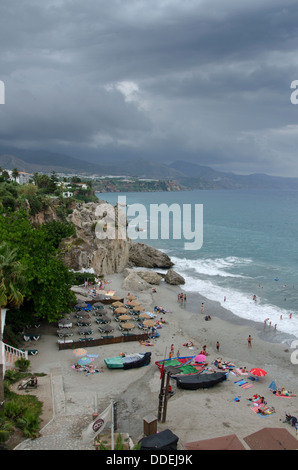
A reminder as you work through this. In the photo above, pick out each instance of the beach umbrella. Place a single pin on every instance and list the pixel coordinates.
(134, 303)
(80, 352)
(138, 309)
(65, 323)
(124, 317)
(128, 325)
(83, 315)
(131, 297)
(84, 360)
(148, 323)
(200, 358)
(97, 305)
(120, 310)
(115, 297)
(64, 332)
(117, 304)
(106, 328)
(144, 315)
(85, 330)
(258, 372)
(273, 386)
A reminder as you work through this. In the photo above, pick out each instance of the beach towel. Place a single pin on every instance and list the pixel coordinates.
(243, 384)
(256, 410)
(241, 373)
(283, 396)
(246, 386)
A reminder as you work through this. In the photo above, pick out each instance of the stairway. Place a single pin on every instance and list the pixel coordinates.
(11, 355)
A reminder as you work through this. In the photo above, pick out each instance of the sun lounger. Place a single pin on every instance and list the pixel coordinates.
(31, 352)
(31, 337)
(86, 339)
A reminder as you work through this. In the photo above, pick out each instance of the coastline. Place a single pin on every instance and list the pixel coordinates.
(191, 414)
(214, 308)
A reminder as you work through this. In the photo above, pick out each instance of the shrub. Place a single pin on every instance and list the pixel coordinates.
(22, 364)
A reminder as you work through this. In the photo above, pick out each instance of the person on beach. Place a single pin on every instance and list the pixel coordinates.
(202, 307)
(172, 350)
(249, 339)
(217, 346)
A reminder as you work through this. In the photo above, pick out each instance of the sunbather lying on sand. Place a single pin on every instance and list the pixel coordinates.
(146, 343)
(284, 393)
(266, 411)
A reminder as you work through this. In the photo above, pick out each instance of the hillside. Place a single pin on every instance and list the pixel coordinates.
(187, 175)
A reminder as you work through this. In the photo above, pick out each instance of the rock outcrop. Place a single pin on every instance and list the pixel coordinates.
(174, 278)
(87, 251)
(107, 255)
(151, 277)
(134, 283)
(146, 256)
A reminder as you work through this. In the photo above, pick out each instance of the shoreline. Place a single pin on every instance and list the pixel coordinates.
(214, 308)
(191, 414)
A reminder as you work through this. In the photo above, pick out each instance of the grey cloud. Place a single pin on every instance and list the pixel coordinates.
(211, 79)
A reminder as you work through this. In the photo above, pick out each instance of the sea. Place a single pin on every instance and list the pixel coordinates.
(246, 252)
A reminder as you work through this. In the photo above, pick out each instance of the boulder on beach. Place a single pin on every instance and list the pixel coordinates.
(174, 278)
(146, 256)
(150, 276)
(134, 283)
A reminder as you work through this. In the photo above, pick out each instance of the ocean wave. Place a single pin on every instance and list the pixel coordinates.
(242, 305)
(211, 267)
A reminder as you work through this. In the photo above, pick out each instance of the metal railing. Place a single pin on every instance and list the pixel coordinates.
(11, 354)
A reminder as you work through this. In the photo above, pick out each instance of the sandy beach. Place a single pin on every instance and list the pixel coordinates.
(191, 414)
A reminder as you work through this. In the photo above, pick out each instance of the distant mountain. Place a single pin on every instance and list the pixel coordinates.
(195, 176)
(45, 161)
(189, 175)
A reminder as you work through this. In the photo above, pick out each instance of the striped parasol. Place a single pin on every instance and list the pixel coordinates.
(80, 352)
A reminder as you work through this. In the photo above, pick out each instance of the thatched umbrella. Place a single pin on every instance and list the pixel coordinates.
(148, 323)
(144, 315)
(124, 317)
(128, 325)
(120, 310)
(133, 303)
(116, 297)
(117, 304)
(131, 297)
(138, 309)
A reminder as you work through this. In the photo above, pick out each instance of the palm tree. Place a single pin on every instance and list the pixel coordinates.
(15, 173)
(11, 279)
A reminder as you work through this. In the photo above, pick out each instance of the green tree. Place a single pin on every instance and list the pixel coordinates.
(47, 291)
(11, 279)
(15, 173)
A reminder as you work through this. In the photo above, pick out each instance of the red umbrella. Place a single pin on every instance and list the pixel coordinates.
(258, 372)
(200, 358)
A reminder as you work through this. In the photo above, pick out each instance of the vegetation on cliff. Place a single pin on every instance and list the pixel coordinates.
(47, 281)
(108, 185)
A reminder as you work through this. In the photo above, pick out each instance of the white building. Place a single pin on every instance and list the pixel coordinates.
(67, 194)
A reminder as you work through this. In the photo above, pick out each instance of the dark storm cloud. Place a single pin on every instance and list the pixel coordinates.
(201, 80)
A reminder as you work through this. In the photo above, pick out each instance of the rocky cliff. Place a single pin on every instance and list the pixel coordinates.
(106, 255)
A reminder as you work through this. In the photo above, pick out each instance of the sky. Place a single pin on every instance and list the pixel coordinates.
(205, 81)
